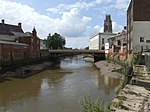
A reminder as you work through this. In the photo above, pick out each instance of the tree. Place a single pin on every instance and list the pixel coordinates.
(87, 48)
(55, 41)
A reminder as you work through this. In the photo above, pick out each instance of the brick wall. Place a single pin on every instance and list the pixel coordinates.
(13, 52)
(34, 45)
(141, 10)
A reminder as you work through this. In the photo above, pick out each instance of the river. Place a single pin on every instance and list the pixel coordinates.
(58, 89)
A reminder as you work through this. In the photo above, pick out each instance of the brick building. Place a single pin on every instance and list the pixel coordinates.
(11, 51)
(17, 45)
(138, 26)
(34, 43)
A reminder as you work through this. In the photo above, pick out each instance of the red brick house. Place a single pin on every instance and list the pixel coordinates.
(17, 45)
(34, 43)
(9, 48)
(11, 51)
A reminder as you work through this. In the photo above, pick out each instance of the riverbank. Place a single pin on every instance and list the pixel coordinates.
(109, 69)
(25, 71)
(134, 97)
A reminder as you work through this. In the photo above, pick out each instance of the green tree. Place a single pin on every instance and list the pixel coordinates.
(55, 41)
(87, 48)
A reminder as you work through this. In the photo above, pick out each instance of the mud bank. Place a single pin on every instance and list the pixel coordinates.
(26, 71)
(109, 69)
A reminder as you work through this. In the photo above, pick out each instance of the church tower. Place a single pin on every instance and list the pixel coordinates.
(108, 24)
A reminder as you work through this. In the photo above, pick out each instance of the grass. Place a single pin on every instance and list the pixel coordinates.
(93, 106)
(117, 104)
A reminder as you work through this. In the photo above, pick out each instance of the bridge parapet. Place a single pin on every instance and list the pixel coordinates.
(78, 51)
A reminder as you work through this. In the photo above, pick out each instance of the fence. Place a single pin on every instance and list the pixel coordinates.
(147, 61)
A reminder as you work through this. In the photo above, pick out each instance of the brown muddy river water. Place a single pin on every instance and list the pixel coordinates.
(58, 89)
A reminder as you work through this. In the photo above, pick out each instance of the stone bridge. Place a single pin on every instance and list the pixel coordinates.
(98, 54)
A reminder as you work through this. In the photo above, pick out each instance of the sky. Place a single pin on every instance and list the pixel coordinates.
(76, 20)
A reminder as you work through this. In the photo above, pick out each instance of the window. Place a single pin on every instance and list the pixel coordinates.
(148, 41)
(118, 42)
(141, 39)
(102, 40)
(103, 48)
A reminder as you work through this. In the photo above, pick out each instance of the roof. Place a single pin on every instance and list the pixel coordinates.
(13, 43)
(8, 29)
(105, 33)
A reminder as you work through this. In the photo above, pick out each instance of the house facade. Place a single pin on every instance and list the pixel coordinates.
(10, 32)
(34, 43)
(98, 41)
(138, 27)
(11, 51)
(17, 45)
(118, 44)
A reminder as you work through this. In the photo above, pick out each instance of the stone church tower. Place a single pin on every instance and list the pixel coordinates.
(108, 24)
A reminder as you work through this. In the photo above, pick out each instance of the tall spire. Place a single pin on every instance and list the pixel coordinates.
(108, 24)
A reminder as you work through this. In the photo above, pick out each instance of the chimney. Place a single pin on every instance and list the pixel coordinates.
(3, 21)
(34, 33)
(125, 27)
(19, 25)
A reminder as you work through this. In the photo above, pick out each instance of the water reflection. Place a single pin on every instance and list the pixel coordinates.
(18, 89)
(57, 89)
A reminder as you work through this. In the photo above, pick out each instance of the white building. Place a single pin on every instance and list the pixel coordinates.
(98, 41)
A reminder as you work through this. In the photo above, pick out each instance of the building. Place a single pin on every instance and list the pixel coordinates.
(10, 32)
(118, 44)
(33, 41)
(10, 49)
(17, 45)
(138, 26)
(98, 41)
(108, 24)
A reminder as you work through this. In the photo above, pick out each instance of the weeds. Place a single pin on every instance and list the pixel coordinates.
(88, 106)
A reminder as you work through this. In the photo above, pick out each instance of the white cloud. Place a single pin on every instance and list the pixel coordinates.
(80, 42)
(116, 27)
(71, 24)
(122, 4)
(61, 8)
(96, 29)
(102, 29)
